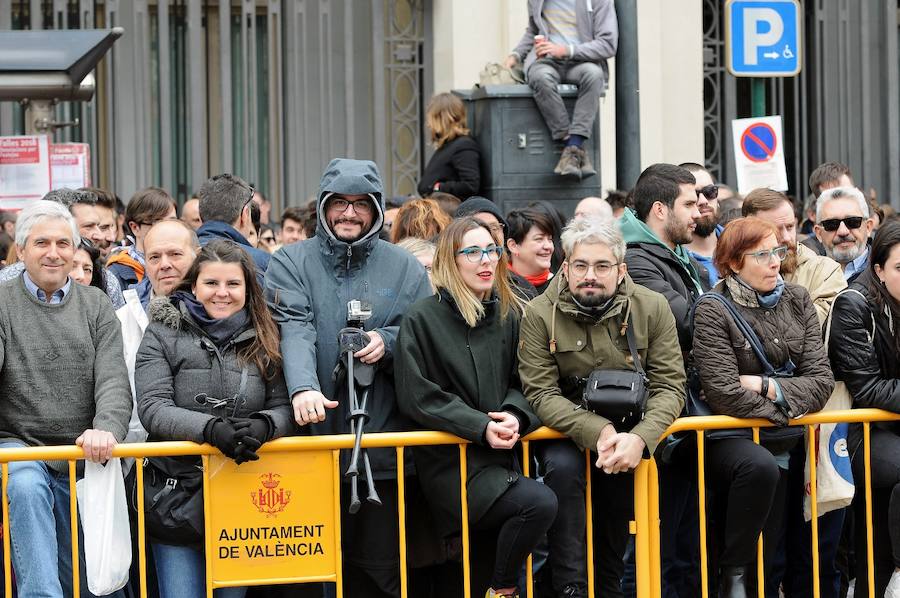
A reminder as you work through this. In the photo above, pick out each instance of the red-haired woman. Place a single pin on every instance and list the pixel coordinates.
(750, 479)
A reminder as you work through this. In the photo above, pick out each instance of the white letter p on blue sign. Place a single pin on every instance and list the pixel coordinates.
(754, 38)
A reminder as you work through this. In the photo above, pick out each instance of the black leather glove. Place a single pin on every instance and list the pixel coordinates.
(222, 435)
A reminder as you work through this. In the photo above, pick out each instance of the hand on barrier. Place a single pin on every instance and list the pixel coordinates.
(309, 407)
(500, 437)
(506, 420)
(97, 445)
(252, 433)
(222, 435)
(626, 452)
(373, 351)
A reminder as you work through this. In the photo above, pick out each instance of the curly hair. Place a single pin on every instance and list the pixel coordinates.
(419, 218)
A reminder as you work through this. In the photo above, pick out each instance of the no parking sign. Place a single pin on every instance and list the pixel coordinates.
(759, 154)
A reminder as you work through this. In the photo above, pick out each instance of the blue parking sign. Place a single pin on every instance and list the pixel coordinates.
(763, 38)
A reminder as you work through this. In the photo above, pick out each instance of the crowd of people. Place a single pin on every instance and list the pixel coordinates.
(225, 328)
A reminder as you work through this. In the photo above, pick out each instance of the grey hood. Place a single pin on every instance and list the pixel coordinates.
(351, 177)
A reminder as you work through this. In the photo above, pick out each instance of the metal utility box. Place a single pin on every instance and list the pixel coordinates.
(517, 152)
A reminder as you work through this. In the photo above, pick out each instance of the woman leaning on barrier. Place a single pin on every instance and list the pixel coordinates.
(208, 370)
(457, 372)
(748, 481)
(868, 364)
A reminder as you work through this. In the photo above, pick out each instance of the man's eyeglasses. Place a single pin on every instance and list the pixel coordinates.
(363, 207)
(765, 256)
(710, 192)
(851, 222)
(601, 269)
(475, 254)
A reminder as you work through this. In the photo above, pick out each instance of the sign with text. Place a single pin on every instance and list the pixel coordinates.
(24, 170)
(276, 520)
(759, 154)
(70, 165)
(763, 38)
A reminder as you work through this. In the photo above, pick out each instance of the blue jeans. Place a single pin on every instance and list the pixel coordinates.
(181, 573)
(40, 532)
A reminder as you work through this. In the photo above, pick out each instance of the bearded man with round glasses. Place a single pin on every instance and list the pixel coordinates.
(578, 324)
(843, 226)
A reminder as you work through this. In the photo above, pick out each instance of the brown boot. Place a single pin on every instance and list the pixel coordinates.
(569, 162)
(587, 165)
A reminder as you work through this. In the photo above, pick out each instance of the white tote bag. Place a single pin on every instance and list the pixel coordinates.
(104, 519)
(834, 477)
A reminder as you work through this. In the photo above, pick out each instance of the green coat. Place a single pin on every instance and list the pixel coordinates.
(448, 376)
(583, 343)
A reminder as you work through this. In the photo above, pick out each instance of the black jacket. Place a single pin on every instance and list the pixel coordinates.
(869, 367)
(657, 268)
(449, 376)
(456, 166)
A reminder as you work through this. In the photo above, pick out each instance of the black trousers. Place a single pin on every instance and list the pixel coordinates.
(521, 516)
(885, 465)
(563, 466)
(749, 495)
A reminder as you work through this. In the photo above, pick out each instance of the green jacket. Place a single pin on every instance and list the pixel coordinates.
(558, 342)
(448, 377)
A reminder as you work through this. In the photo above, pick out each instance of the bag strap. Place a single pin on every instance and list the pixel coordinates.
(744, 327)
(632, 346)
(831, 314)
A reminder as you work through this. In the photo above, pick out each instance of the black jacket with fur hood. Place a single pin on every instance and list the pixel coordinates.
(182, 380)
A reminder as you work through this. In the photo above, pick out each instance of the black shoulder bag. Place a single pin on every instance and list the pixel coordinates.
(618, 395)
(173, 491)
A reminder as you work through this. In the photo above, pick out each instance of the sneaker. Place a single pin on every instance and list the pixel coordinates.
(587, 165)
(893, 587)
(569, 162)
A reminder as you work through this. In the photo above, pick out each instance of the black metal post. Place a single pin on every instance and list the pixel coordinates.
(628, 105)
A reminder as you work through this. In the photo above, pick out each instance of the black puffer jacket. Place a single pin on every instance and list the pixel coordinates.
(869, 367)
(788, 331)
(179, 369)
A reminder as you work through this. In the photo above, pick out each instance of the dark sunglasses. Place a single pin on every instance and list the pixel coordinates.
(851, 222)
(709, 192)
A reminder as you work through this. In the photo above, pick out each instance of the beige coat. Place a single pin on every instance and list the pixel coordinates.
(821, 276)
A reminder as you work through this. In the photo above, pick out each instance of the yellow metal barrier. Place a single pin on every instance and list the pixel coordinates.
(699, 425)
(646, 544)
(645, 525)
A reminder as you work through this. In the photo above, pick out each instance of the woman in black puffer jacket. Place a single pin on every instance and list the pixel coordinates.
(864, 348)
(751, 479)
(209, 370)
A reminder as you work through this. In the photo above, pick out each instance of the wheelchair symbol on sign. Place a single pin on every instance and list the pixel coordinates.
(787, 52)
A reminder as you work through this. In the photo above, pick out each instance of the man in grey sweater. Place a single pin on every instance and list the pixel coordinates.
(62, 381)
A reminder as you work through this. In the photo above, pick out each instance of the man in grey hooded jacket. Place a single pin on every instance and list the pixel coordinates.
(309, 284)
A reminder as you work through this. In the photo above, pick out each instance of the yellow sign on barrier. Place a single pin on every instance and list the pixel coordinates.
(274, 520)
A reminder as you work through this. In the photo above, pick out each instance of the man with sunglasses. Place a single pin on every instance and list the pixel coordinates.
(843, 226)
(706, 233)
(226, 214)
(309, 285)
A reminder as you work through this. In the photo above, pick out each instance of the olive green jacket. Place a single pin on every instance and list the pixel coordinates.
(559, 342)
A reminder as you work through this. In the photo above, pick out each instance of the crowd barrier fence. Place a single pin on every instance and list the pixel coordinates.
(644, 526)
